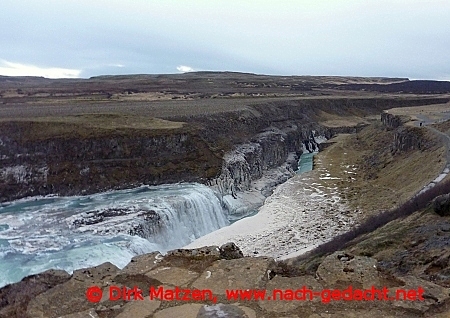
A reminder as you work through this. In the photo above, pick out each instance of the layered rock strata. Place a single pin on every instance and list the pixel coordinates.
(69, 158)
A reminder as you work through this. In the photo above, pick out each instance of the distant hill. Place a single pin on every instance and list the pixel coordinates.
(413, 87)
(222, 83)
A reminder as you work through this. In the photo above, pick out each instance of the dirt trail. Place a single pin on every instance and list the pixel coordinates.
(446, 140)
(426, 122)
(425, 116)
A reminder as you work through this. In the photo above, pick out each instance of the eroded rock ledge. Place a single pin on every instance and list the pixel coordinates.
(58, 294)
(73, 156)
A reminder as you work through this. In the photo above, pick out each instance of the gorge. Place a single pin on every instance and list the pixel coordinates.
(104, 175)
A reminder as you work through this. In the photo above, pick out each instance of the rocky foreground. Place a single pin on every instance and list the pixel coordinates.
(55, 293)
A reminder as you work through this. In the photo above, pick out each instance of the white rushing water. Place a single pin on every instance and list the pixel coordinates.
(74, 232)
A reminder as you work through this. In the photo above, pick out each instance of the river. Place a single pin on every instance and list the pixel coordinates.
(68, 233)
(81, 231)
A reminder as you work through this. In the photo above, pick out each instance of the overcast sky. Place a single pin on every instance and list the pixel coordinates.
(83, 38)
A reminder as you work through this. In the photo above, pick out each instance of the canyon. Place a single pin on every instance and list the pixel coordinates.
(239, 135)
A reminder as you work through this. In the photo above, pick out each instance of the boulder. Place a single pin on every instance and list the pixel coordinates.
(193, 259)
(230, 251)
(441, 204)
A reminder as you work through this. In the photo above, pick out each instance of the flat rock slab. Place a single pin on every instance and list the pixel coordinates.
(369, 313)
(70, 297)
(96, 274)
(248, 311)
(294, 284)
(433, 294)
(91, 313)
(185, 311)
(141, 281)
(206, 311)
(340, 267)
(139, 308)
(64, 299)
(142, 264)
(244, 273)
(175, 276)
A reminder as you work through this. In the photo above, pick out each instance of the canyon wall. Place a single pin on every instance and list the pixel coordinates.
(233, 147)
(69, 166)
(405, 138)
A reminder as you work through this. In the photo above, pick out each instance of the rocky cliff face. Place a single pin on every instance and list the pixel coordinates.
(267, 150)
(390, 121)
(85, 165)
(408, 138)
(71, 166)
(234, 147)
(405, 138)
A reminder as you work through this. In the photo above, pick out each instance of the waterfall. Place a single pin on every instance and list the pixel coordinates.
(82, 231)
(185, 218)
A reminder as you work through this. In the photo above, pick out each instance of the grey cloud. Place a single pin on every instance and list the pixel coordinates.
(367, 38)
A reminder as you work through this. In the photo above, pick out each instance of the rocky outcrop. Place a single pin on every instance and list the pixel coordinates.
(274, 289)
(230, 251)
(408, 138)
(390, 121)
(247, 162)
(14, 298)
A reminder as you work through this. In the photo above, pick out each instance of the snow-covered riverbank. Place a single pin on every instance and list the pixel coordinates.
(299, 215)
